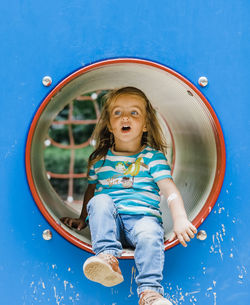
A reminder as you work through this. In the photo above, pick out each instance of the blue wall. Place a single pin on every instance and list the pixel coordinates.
(57, 37)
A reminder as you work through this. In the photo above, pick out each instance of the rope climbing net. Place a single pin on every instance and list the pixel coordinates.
(68, 146)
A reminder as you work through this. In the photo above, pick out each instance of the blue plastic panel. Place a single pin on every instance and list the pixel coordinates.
(55, 38)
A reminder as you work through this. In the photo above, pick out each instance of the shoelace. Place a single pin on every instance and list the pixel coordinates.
(109, 258)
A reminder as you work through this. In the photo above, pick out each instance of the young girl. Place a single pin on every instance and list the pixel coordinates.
(126, 172)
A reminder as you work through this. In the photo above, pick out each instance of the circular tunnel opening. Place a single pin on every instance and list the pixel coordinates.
(196, 146)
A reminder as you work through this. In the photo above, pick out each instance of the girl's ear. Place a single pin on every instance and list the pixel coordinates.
(145, 128)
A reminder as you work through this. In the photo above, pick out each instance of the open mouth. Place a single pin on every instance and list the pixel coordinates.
(126, 128)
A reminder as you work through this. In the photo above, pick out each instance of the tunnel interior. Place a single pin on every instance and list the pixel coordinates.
(189, 123)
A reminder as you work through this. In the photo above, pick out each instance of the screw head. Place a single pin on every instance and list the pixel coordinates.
(47, 142)
(70, 199)
(47, 81)
(201, 235)
(47, 235)
(92, 142)
(203, 81)
(94, 96)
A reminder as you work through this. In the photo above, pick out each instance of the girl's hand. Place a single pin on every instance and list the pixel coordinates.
(75, 223)
(184, 230)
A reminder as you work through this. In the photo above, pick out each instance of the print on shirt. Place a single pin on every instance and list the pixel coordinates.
(125, 169)
(138, 197)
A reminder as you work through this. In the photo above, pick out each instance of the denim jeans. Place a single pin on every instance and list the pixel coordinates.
(111, 231)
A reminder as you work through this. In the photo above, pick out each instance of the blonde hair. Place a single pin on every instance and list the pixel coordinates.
(104, 139)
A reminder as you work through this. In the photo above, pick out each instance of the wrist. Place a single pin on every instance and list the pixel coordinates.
(83, 215)
(179, 217)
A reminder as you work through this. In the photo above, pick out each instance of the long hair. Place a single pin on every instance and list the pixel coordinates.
(104, 139)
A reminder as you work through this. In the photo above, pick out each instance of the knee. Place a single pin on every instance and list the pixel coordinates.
(100, 203)
(149, 234)
(146, 235)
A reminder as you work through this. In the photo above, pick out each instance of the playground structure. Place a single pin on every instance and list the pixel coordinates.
(196, 143)
(40, 263)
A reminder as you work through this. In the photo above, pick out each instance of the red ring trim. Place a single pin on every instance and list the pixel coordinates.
(220, 146)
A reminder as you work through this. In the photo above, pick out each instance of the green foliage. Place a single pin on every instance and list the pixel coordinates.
(83, 110)
(57, 160)
(59, 133)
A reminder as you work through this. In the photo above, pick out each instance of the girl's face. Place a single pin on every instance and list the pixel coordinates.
(127, 122)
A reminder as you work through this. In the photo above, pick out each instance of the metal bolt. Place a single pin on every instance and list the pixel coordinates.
(47, 235)
(203, 81)
(47, 142)
(47, 81)
(94, 96)
(201, 235)
(93, 142)
(70, 199)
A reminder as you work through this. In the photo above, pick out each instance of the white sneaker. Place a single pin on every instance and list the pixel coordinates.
(150, 297)
(103, 269)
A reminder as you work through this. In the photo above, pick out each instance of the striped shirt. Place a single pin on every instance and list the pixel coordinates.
(131, 181)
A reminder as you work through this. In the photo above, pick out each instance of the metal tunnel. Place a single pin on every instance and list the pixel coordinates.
(196, 146)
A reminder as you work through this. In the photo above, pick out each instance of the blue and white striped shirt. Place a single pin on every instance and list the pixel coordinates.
(131, 181)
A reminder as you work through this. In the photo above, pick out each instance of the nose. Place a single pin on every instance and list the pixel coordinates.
(125, 118)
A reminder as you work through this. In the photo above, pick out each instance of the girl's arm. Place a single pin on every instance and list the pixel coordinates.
(79, 223)
(183, 229)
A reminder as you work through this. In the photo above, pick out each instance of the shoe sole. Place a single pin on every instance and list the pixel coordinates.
(97, 271)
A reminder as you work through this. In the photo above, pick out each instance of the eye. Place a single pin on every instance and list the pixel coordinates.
(117, 112)
(134, 112)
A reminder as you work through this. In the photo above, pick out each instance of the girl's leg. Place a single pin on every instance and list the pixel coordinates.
(104, 225)
(147, 235)
(105, 228)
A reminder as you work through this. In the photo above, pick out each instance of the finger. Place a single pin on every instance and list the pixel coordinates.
(64, 220)
(80, 226)
(84, 225)
(193, 228)
(75, 224)
(172, 236)
(190, 233)
(186, 237)
(70, 222)
(181, 240)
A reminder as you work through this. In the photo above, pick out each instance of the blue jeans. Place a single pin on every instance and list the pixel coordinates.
(111, 231)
